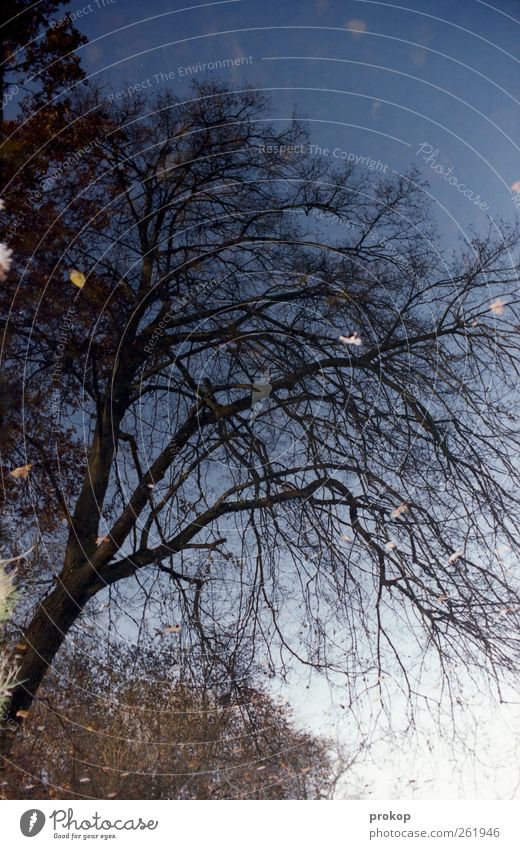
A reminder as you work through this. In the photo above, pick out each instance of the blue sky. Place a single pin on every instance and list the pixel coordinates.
(373, 78)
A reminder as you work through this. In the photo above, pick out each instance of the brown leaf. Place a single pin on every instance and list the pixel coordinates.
(21, 471)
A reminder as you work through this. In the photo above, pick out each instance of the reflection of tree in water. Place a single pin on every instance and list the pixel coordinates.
(354, 523)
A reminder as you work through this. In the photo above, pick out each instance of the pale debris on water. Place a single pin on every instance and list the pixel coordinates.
(354, 339)
(5, 260)
(399, 510)
(497, 307)
(456, 555)
(101, 540)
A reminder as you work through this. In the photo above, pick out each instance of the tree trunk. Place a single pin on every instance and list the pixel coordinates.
(44, 636)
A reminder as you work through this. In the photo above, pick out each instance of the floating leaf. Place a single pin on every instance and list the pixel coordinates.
(261, 387)
(101, 540)
(497, 307)
(21, 471)
(354, 339)
(260, 391)
(5, 260)
(456, 555)
(77, 277)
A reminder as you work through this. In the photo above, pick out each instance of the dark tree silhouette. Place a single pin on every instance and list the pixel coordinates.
(297, 409)
(38, 66)
(37, 44)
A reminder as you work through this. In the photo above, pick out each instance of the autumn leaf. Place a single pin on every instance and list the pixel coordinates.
(5, 260)
(23, 714)
(497, 307)
(261, 390)
(101, 540)
(77, 277)
(456, 555)
(22, 471)
(354, 339)
(399, 510)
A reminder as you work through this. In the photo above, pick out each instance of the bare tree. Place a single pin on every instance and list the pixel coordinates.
(297, 409)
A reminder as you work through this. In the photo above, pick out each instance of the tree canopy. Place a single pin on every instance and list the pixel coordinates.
(267, 406)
